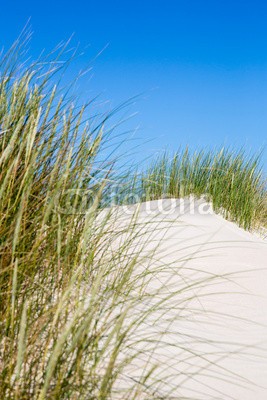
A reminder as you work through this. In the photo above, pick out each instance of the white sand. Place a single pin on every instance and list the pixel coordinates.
(214, 333)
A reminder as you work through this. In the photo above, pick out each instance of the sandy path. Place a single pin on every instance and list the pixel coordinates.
(214, 326)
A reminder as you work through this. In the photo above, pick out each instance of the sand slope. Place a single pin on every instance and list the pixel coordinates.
(213, 328)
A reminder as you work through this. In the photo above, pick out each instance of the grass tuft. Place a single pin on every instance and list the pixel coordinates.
(233, 182)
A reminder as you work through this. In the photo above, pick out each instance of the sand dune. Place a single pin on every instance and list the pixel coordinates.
(213, 328)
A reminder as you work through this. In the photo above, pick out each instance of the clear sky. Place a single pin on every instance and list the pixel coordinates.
(201, 66)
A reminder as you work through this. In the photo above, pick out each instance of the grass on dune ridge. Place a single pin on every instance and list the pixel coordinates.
(65, 297)
(231, 180)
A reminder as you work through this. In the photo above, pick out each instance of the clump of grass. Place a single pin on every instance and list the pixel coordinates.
(65, 294)
(231, 180)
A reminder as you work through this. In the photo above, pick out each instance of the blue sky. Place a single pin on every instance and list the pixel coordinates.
(200, 66)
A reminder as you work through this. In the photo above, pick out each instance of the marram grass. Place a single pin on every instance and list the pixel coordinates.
(69, 281)
(232, 181)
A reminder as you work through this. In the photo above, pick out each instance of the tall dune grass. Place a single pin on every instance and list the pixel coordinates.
(65, 295)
